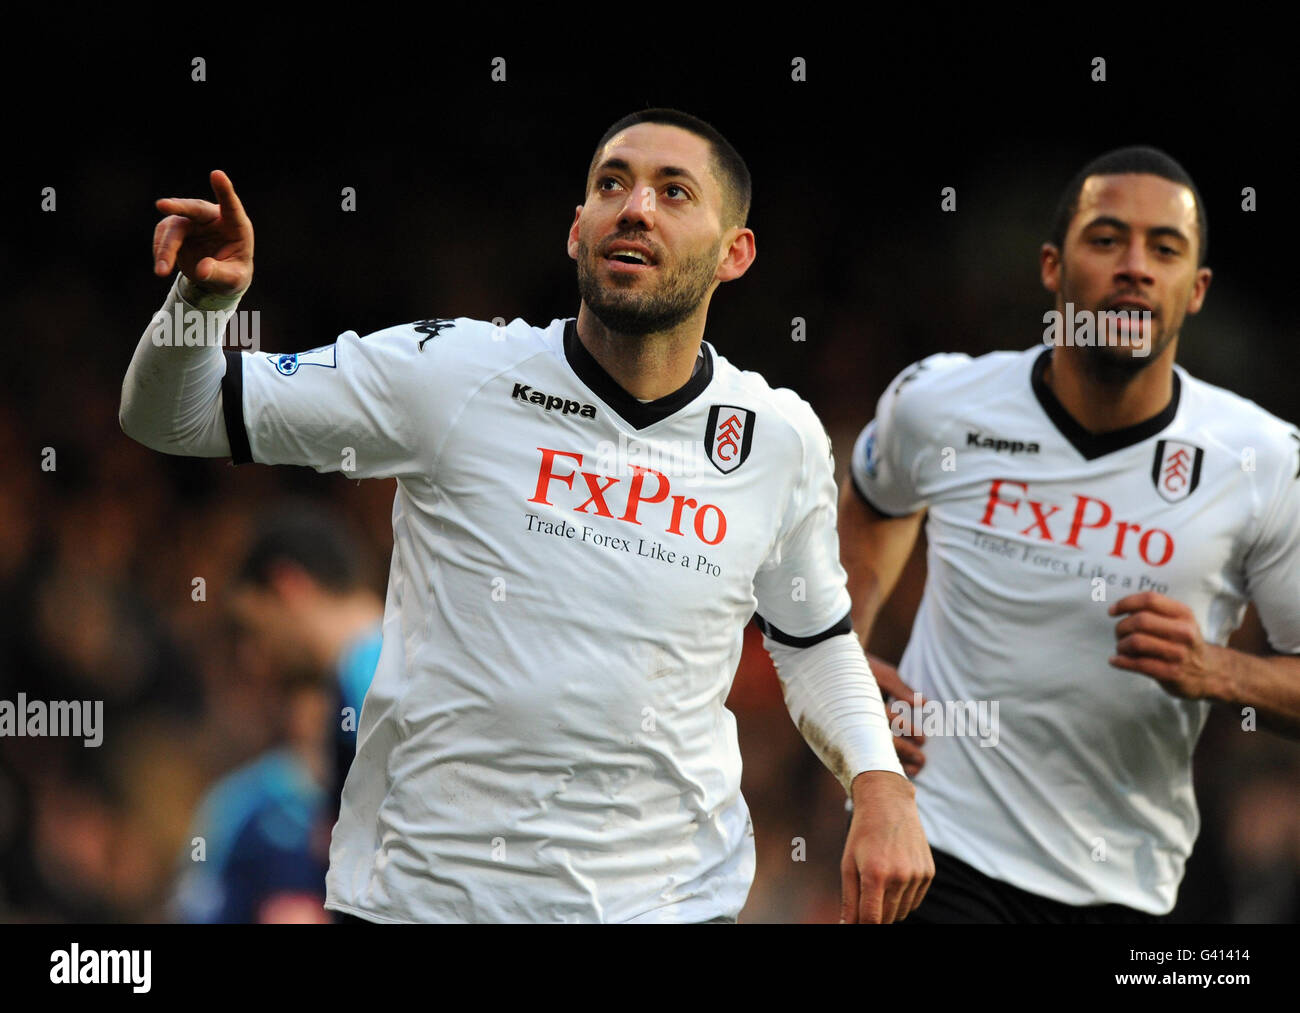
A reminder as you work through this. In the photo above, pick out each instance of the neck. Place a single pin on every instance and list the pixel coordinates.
(647, 366)
(339, 621)
(1101, 404)
(315, 757)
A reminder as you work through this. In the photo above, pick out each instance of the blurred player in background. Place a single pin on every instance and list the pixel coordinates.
(587, 516)
(301, 597)
(1098, 521)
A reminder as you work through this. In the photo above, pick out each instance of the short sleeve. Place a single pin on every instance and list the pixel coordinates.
(1273, 561)
(801, 587)
(883, 465)
(365, 406)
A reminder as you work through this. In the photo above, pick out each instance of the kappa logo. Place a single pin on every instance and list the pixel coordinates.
(289, 364)
(911, 374)
(550, 402)
(1176, 470)
(432, 328)
(729, 436)
(999, 445)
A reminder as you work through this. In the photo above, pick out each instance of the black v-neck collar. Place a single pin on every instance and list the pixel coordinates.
(1095, 445)
(628, 408)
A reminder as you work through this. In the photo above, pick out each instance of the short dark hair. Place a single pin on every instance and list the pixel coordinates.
(728, 166)
(1136, 158)
(308, 537)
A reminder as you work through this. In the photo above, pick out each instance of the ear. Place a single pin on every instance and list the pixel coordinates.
(740, 254)
(1199, 287)
(573, 233)
(1049, 266)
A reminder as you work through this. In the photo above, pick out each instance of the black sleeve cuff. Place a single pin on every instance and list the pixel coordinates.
(871, 506)
(232, 399)
(845, 625)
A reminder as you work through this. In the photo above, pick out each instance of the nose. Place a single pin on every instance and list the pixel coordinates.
(1133, 265)
(638, 209)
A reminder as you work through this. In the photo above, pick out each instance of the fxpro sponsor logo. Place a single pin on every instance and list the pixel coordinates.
(77, 719)
(1113, 328)
(75, 966)
(552, 402)
(193, 328)
(947, 718)
(1087, 523)
(647, 498)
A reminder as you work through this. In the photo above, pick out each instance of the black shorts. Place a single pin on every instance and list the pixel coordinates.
(961, 895)
(345, 919)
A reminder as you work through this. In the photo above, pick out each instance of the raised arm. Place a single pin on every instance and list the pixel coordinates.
(171, 395)
(375, 406)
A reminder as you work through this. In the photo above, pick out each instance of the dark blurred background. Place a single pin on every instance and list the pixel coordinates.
(465, 189)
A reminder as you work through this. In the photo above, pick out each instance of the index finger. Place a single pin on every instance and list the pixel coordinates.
(200, 211)
(871, 901)
(1152, 600)
(848, 895)
(231, 208)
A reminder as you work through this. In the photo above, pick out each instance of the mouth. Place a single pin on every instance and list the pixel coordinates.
(1129, 305)
(630, 257)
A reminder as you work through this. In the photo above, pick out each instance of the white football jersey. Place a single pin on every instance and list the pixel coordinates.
(1073, 779)
(545, 738)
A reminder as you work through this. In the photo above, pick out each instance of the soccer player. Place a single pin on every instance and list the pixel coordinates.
(587, 515)
(264, 827)
(1098, 520)
(300, 596)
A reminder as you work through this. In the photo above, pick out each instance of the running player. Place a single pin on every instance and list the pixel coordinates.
(587, 515)
(1098, 521)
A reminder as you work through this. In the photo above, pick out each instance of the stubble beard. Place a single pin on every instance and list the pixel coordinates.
(1116, 365)
(634, 312)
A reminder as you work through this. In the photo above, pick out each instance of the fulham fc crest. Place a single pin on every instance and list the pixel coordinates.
(729, 436)
(1176, 470)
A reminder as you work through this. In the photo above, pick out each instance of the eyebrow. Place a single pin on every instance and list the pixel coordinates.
(1108, 221)
(663, 172)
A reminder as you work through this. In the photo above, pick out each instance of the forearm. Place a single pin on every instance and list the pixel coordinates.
(867, 597)
(171, 395)
(1268, 685)
(874, 551)
(835, 703)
